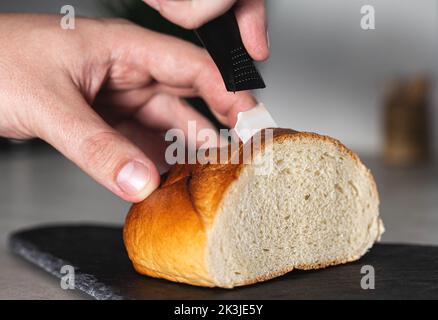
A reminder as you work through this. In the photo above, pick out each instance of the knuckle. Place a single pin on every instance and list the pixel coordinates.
(98, 150)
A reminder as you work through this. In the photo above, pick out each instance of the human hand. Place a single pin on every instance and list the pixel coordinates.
(104, 94)
(250, 14)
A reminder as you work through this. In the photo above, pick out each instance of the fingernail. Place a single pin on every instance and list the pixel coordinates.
(133, 178)
(155, 4)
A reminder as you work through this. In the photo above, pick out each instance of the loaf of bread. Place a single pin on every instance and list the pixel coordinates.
(226, 225)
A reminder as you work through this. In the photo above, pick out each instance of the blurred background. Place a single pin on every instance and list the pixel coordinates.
(374, 90)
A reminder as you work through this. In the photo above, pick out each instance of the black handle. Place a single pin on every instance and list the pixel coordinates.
(221, 37)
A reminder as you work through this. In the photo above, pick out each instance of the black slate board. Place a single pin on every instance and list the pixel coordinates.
(104, 271)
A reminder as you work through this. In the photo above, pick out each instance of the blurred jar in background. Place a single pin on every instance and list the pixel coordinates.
(406, 122)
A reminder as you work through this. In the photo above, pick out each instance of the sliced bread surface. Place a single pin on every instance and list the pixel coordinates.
(305, 202)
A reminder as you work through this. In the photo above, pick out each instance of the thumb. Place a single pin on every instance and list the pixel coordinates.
(191, 14)
(103, 153)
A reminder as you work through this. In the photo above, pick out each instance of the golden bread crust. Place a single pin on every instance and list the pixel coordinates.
(166, 234)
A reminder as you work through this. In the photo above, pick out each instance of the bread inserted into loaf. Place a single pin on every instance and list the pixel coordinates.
(227, 225)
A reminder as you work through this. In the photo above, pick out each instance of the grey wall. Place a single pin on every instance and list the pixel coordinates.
(325, 73)
(328, 75)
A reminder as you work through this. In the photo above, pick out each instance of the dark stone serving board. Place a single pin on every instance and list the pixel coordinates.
(104, 271)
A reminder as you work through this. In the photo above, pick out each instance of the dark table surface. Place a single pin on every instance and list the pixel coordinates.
(103, 270)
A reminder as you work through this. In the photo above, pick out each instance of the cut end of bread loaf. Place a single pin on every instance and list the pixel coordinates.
(315, 205)
(318, 207)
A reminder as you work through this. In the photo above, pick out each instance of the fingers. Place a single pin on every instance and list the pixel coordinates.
(108, 157)
(193, 13)
(224, 104)
(205, 78)
(128, 100)
(151, 142)
(179, 64)
(251, 16)
(165, 112)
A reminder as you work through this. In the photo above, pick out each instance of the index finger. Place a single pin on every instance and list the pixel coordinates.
(180, 64)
